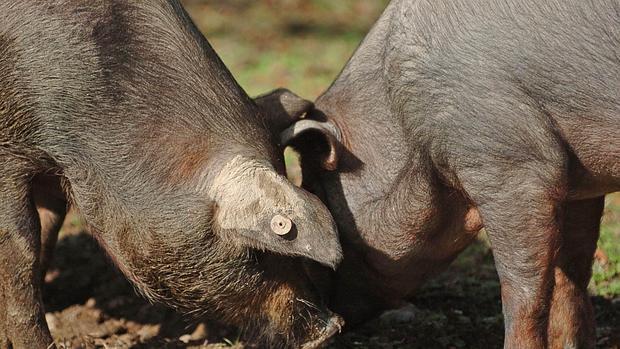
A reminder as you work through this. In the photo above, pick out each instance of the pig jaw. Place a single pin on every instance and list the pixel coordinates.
(333, 326)
(298, 323)
(294, 310)
(282, 308)
(271, 297)
(250, 196)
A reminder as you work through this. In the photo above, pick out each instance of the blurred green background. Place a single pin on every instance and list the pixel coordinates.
(302, 45)
(298, 44)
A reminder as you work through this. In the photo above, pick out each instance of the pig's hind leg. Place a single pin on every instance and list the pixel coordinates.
(571, 321)
(4, 339)
(524, 235)
(51, 205)
(21, 307)
(517, 181)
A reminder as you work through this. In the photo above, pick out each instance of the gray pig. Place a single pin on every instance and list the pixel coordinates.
(455, 115)
(124, 110)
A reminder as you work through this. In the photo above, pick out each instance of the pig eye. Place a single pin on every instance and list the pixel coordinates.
(281, 225)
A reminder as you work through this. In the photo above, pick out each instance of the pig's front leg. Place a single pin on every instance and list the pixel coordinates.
(571, 321)
(21, 306)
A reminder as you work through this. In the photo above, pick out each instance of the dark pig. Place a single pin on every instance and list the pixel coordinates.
(455, 115)
(124, 110)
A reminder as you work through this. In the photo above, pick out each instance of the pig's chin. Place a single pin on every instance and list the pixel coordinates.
(333, 325)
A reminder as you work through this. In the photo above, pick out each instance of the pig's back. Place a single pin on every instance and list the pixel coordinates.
(53, 70)
(562, 52)
(559, 59)
(97, 77)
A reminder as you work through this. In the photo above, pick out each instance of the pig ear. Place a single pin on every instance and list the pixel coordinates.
(318, 139)
(282, 108)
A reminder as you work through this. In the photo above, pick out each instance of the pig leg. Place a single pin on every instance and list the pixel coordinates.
(4, 339)
(20, 278)
(520, 209)
(524, 240)
(571, 320)
(52, 208)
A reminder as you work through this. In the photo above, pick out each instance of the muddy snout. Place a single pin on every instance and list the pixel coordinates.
(333, 324)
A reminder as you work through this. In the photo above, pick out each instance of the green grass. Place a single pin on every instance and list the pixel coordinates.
(606, 277)
(298, 44)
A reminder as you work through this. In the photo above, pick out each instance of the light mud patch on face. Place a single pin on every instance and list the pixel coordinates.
(249, 194)
(249, 183)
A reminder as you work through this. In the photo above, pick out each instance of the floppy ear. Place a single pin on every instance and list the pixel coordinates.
(314, 139)
(256, 207)
(282, 108)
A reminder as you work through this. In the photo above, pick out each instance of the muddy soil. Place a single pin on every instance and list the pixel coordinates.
(91, 305)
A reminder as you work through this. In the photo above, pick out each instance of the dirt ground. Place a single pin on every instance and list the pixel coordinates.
(90, 305)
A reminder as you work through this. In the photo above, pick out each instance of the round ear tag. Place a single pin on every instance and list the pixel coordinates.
(281, 225)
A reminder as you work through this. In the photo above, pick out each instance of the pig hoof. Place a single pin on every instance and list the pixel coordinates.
(281, 225)
(333, 326)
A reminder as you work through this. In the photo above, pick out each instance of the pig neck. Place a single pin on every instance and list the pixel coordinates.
(391, 203)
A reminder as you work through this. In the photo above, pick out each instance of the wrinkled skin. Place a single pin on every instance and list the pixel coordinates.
(457, 115)
(122, 109)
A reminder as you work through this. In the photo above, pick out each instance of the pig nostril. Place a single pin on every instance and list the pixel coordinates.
(281, 225)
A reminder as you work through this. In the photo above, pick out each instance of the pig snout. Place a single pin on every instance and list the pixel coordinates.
(328, 324)
(291, 303)
(333, 325)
